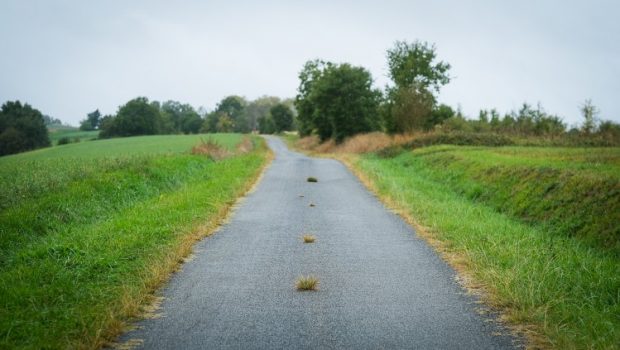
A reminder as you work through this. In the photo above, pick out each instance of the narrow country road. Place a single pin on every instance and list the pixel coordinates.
(380, 285)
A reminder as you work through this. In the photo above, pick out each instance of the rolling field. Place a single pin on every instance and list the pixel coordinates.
(89, 230)
(537, 228)
(73, 135)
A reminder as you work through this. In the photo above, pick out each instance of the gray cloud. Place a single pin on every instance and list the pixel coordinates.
(69, 57)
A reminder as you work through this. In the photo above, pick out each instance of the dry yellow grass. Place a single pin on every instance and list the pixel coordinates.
(309, 238)
(304, 283)
(361, 143)
(212, 149)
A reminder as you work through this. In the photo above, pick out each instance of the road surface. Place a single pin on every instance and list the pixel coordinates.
(380, 285)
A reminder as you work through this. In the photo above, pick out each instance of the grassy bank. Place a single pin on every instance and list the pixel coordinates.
(89, 230)
(536, 227)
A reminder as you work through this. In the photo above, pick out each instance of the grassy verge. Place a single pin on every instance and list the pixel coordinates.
(495, 213)
(90, 231)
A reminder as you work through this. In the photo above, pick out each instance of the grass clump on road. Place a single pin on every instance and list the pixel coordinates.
(309, 238)
(537, 227)
(312, 179)
(307, 283)
(89, 230)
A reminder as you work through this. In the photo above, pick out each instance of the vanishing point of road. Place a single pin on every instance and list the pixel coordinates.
(381, 287)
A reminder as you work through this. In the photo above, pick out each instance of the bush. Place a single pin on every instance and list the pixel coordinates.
(22, 128)
(459, 138)
(64, 140)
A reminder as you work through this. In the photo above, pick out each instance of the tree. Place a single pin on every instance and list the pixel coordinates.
(136, 117)
(266, 125)
(258, 109)
(234, 108)
(336, 100)
(438, 115)
(179, 118)
(91, 122)
(411, 109)
(225, 123)
(412, 64)
(304, 103)
(416, 77)
(589, 113)
(282, 117)
(22, 128)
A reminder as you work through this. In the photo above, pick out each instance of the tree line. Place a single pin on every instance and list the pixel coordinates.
(140, 116)
(335, 101)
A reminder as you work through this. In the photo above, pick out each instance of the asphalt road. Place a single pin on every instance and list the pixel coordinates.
(380, 285)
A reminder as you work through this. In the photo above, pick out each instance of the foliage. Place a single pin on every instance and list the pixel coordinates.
(336, 100)
(51, 122)
(94, 227)
(72, 133)
(22, 128)
(282, 116)
(410, 109)
(266, 125)
(413, 64)
(502, 204)
(527, 121)
(136, 117)
(91, 122)
(179, 118)
(258, 109)
(589, 112)
(415, 74)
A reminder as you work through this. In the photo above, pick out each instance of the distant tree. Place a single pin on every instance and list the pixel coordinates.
(413, 64)
(91, 122)
(180, 118)
(210, 122)
(234, 108)
(136, 117)
(51, 122)
(282, 116)
(22, 128)
(410, 109)
(416, 76)
(259, 108)
(336, 100)
(266, 125)
(304, 103)
(225, 123)
(438, 115)
(589, 113)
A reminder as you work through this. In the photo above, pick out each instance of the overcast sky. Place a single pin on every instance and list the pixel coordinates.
(68, 58)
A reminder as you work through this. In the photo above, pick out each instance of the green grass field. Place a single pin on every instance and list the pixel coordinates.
(89, 230)
(539, 228)
(73, 134)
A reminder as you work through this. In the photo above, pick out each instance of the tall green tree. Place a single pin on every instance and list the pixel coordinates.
(233, 107)
(136, 117)
(259, 108)
(304, 103)
(336, 100)
(417, 77)
(22, 128)
(589, 113)
(180, 118)
(282, 116)
(91, 122)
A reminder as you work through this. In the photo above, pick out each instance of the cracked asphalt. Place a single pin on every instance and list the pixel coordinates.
(381, 287)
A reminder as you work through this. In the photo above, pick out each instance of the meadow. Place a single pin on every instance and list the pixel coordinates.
(536, 228)
(72, 134)
(89, 230)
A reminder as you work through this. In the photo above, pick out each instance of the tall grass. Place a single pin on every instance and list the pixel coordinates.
(90, 234)
(560, 287)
